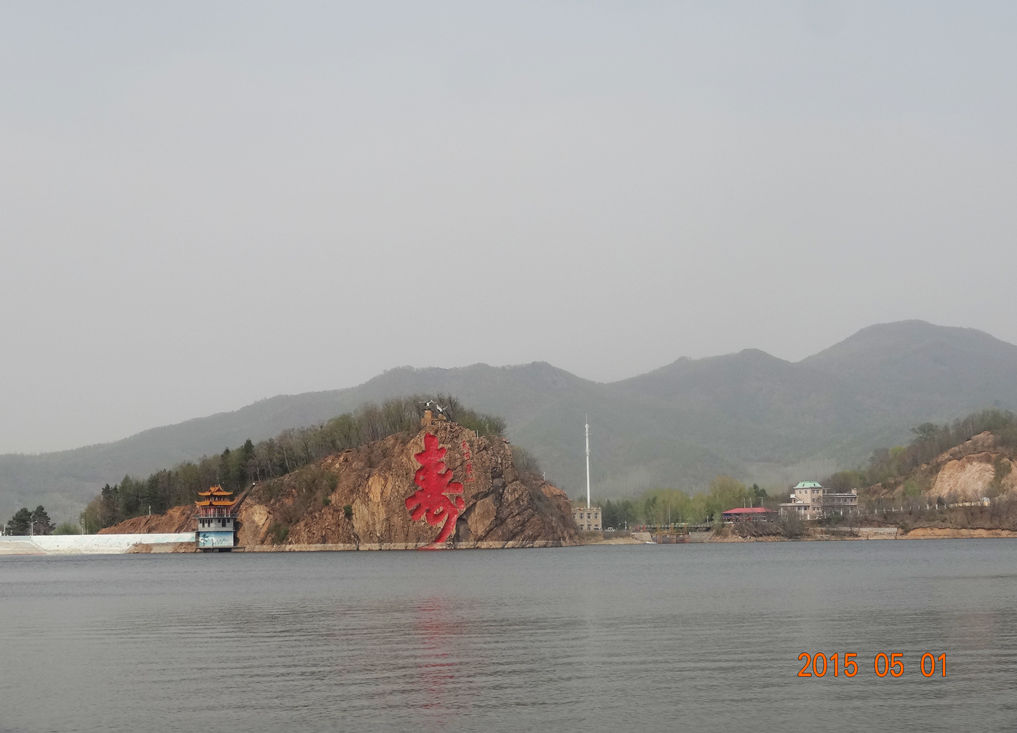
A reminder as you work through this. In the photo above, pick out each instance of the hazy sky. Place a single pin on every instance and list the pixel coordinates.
(203, 204)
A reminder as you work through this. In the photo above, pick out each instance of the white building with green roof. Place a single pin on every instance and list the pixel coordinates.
(811, 500)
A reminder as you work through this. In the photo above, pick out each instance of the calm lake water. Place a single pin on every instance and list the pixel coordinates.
(693, 637)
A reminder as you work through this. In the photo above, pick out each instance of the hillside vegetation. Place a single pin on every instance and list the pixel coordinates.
(910, 470)
(268, 459)
(961, 475)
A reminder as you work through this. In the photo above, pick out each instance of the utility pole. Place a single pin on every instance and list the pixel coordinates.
(587, 461)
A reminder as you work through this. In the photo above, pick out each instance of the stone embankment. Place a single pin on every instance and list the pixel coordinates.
(864, 533)
(939, 533)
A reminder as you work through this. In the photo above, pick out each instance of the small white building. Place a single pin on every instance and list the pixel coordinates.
(810, 500)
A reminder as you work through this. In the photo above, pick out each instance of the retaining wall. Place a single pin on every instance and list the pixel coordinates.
(86, 544)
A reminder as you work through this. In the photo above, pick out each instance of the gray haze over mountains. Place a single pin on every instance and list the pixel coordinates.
(748, 414)
(203, 204)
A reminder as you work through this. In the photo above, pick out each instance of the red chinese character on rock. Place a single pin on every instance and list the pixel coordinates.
(432, 500)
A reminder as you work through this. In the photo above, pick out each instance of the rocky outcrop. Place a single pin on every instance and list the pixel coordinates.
(357, 500)
(984, 442)
(969, 472)
(974, 476)
(972, 470)
(177, 519)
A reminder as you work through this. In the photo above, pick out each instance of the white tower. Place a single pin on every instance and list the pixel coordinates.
(587, 461)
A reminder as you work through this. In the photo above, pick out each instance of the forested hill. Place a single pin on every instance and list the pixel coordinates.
(749, 415)
(295, 449)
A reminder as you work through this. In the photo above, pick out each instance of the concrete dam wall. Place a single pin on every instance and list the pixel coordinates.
(86, 544)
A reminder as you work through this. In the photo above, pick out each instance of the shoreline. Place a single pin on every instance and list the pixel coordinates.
(17, 546)
(859, 534)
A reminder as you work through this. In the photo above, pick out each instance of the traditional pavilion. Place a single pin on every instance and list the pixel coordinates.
(217, 512)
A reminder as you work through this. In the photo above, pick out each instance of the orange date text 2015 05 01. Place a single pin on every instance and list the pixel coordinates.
(884, 664)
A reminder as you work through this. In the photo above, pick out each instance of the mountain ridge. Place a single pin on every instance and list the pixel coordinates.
(749, 414)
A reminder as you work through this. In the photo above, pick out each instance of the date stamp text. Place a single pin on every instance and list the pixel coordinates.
(884, 664)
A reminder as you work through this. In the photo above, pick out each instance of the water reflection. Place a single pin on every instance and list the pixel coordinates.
(437, 665)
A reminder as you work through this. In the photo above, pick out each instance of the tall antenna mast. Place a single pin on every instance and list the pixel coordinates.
(587, 461)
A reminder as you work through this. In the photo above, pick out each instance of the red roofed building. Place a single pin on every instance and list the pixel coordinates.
(748, 514)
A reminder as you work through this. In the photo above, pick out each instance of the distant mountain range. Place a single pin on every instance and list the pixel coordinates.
(750, 415)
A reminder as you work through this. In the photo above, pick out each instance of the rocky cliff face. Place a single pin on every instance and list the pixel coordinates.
(358, 499)
(974, 469)
(977, 468)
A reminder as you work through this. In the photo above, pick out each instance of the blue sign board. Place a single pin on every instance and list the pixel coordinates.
(214, 539)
